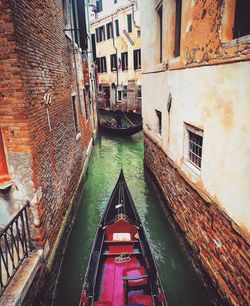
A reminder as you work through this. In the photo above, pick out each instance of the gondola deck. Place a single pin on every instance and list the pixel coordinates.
(121, 269)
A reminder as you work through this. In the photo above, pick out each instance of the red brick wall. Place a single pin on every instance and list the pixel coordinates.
(13, 116)
(38, 59)
(221, 246)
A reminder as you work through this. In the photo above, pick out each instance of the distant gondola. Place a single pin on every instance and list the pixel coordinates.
(121, 269)
(133, 123)
(121, 131)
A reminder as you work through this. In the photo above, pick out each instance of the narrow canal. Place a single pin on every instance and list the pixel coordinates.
(179, 279)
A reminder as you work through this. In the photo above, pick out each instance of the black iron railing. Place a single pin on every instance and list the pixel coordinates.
(15, 245)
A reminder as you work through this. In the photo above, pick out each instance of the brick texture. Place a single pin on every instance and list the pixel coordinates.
(221, 247)
(37, 59)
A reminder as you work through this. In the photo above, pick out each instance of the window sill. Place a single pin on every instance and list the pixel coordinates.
(236, 41)
(195, 172)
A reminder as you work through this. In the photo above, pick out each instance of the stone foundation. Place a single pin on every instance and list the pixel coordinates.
(217, 241)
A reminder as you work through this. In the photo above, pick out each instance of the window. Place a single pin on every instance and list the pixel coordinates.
(159, 123)
(93, 46)
(75, 23)
(241, 19)
(124, 61)
(113, 62)
(159, 12)
(99, 6)
(4, 174)
(101, 64)
(119, 95)
(129, 23)
(137, 59)
(75, 113)
(117, 28)
(193, 145)
(125, 91)
(138, 92)
(86, 100)
(177, 40)
(109, 28)
(100, 34)
(97, 35)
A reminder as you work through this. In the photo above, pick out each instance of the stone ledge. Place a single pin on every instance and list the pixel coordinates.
(19, 285)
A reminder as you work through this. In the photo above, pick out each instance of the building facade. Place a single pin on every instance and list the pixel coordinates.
(196, 111)
(47, 117)
(115, 31)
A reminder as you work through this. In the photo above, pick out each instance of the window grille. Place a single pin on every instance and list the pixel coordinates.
(195, 148)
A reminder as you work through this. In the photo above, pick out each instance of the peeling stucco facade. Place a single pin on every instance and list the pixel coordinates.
(124, 86)
(207, 85)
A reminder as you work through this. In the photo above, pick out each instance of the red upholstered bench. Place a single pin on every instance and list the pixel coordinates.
(141, 299)
(102, 303)
(134, 279)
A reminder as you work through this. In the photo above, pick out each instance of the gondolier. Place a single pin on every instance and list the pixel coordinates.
(118, 114)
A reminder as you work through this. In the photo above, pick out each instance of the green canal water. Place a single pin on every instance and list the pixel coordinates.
(181, 284)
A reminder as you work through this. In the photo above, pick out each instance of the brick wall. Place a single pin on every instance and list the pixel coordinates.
(37, 59)
(43, 63)
(221, 247)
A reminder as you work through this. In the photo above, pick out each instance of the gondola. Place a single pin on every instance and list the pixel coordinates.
(121, 269)
(132, 123)
(128, 131)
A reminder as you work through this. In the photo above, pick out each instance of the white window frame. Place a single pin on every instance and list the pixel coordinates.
(194, 169)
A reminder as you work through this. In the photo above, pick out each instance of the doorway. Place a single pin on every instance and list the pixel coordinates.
(106, 91)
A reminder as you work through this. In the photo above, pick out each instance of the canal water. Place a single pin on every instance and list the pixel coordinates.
(181, 284)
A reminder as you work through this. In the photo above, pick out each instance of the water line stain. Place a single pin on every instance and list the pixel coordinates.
(181, 283)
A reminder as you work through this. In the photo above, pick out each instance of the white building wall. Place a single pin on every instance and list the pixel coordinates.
(215, 99)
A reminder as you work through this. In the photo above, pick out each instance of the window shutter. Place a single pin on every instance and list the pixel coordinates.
(82, 24)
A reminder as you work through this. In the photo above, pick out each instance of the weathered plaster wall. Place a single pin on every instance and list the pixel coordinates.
(206, 35)
(208, 83)
(221, 109)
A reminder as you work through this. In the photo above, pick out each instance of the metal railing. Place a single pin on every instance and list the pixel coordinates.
(15, 245)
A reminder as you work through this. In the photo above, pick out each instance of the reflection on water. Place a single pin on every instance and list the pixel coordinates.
(181, 284)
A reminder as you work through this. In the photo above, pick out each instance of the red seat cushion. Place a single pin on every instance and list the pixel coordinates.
(133, 272)
(102, 303)
(141, 299)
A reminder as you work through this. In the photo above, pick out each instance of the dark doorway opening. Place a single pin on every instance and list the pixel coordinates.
(106, 90)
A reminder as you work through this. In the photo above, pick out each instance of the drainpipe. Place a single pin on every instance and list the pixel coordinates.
(117, 72)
